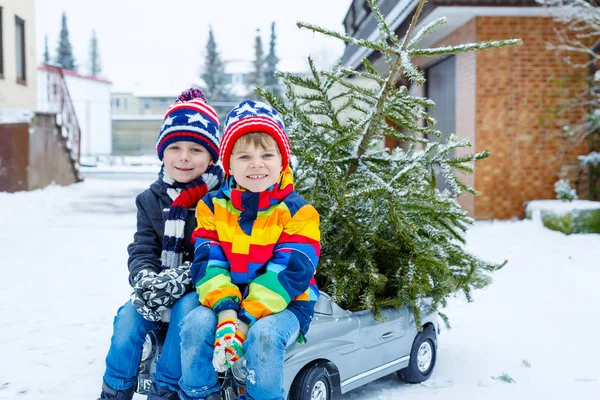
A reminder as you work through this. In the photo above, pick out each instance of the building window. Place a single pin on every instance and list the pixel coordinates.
(20, 42)
(1, 47)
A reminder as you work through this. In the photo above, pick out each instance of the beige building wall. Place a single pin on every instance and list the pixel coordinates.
(12, 93)
(124, 103)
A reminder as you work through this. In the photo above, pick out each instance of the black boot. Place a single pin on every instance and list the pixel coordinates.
(113, 394)
(162, 394)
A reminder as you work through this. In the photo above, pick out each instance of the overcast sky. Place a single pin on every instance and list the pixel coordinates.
(160, 45)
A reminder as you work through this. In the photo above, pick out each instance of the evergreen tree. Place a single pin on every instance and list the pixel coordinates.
(271, 80)
(95, 67)
(389, 236)
(216, 87)
(46, 52)
(64, 51)
(257, 76)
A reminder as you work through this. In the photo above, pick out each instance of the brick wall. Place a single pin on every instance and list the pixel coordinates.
(515, 90)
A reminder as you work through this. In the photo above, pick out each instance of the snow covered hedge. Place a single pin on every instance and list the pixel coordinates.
(579, 216)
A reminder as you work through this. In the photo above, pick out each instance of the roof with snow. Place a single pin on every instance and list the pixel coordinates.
(56, 69)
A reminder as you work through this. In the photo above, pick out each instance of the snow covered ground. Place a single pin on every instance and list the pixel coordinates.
(64, 275)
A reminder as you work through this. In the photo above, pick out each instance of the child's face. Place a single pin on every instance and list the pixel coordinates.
(255, 168)
(186, 161)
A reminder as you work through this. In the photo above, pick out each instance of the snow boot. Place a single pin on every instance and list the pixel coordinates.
(113, 394)
(162, 394)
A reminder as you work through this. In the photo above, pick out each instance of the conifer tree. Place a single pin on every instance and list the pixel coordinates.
(95, 67)
(64, 51)
(257, 76)
(46, 52)
(389, 236)
(215, 87)
(271, 80)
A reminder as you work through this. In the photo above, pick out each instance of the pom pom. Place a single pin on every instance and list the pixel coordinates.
(191, 93)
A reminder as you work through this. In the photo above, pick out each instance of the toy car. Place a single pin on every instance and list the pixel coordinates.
(344, 350)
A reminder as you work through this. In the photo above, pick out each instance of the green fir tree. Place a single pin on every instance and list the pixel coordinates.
(271, 80)
(257, 76)
(46, 52)
(389, 236)
(64, 51)
(215, 87)
(95, 67)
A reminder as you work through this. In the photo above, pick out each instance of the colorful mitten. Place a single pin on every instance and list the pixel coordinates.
(223, 338)
(236, 350)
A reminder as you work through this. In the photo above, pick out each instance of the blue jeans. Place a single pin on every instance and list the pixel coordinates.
(264, 346)
(129, 333)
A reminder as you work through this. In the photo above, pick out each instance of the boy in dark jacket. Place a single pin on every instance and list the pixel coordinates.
(161, 250)
(257, 248)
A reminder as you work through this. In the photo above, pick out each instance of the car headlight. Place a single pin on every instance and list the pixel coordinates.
(240, 371)
(147, 348)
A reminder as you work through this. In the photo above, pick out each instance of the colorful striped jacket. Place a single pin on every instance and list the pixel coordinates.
(257, 253)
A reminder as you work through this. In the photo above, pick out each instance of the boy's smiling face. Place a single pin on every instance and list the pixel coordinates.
(254, 167)
(186, 161)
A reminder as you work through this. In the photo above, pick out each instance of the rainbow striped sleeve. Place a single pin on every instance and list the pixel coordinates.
(211, 269)
(290, 271)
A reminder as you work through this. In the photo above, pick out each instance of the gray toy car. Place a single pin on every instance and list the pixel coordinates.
(344, 350)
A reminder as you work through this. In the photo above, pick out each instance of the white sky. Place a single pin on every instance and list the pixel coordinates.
(160, 45)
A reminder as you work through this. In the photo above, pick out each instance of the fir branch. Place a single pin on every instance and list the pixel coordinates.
(426, 30)
(385, 32)
(349, 39)
(446, 50)
(363, 74)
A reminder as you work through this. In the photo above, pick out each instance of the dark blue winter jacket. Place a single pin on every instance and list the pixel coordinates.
(152, 210)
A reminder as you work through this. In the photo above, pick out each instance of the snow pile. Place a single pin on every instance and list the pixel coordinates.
(15, 116)
(533, 209)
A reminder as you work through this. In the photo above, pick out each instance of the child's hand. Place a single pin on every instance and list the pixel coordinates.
(142, 281)
(236, 350)
(168, 287)
(223, 338)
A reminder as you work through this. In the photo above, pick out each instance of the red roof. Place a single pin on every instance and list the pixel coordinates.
(50, 68)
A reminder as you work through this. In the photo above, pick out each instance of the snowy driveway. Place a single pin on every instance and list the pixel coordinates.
(64, 275)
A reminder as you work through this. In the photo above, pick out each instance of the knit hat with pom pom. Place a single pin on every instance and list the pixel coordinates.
(190, 119)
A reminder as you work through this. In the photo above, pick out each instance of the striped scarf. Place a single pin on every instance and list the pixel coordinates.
(184, 196)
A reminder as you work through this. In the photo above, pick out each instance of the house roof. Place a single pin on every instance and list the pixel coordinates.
(56, 69)
(398, 14)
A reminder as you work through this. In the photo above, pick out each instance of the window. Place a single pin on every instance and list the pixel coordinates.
(20, 42)
(1, 47)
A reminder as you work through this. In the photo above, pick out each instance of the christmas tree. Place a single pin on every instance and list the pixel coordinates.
(64, 52)
(389, 236)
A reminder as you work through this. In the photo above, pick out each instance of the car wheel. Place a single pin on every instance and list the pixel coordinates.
(423, 356)
(314, 383)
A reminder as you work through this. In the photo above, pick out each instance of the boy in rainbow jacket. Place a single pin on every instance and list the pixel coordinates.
(257, 246)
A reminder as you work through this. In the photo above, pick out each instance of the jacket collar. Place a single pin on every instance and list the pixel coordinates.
(244, 200)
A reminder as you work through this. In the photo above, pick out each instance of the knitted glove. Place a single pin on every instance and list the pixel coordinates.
(142, 282)
(223, 338)
(168, 286)
(236, 350)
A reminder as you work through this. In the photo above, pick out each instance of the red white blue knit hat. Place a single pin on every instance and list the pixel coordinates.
(251, 116)
(190, 119)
